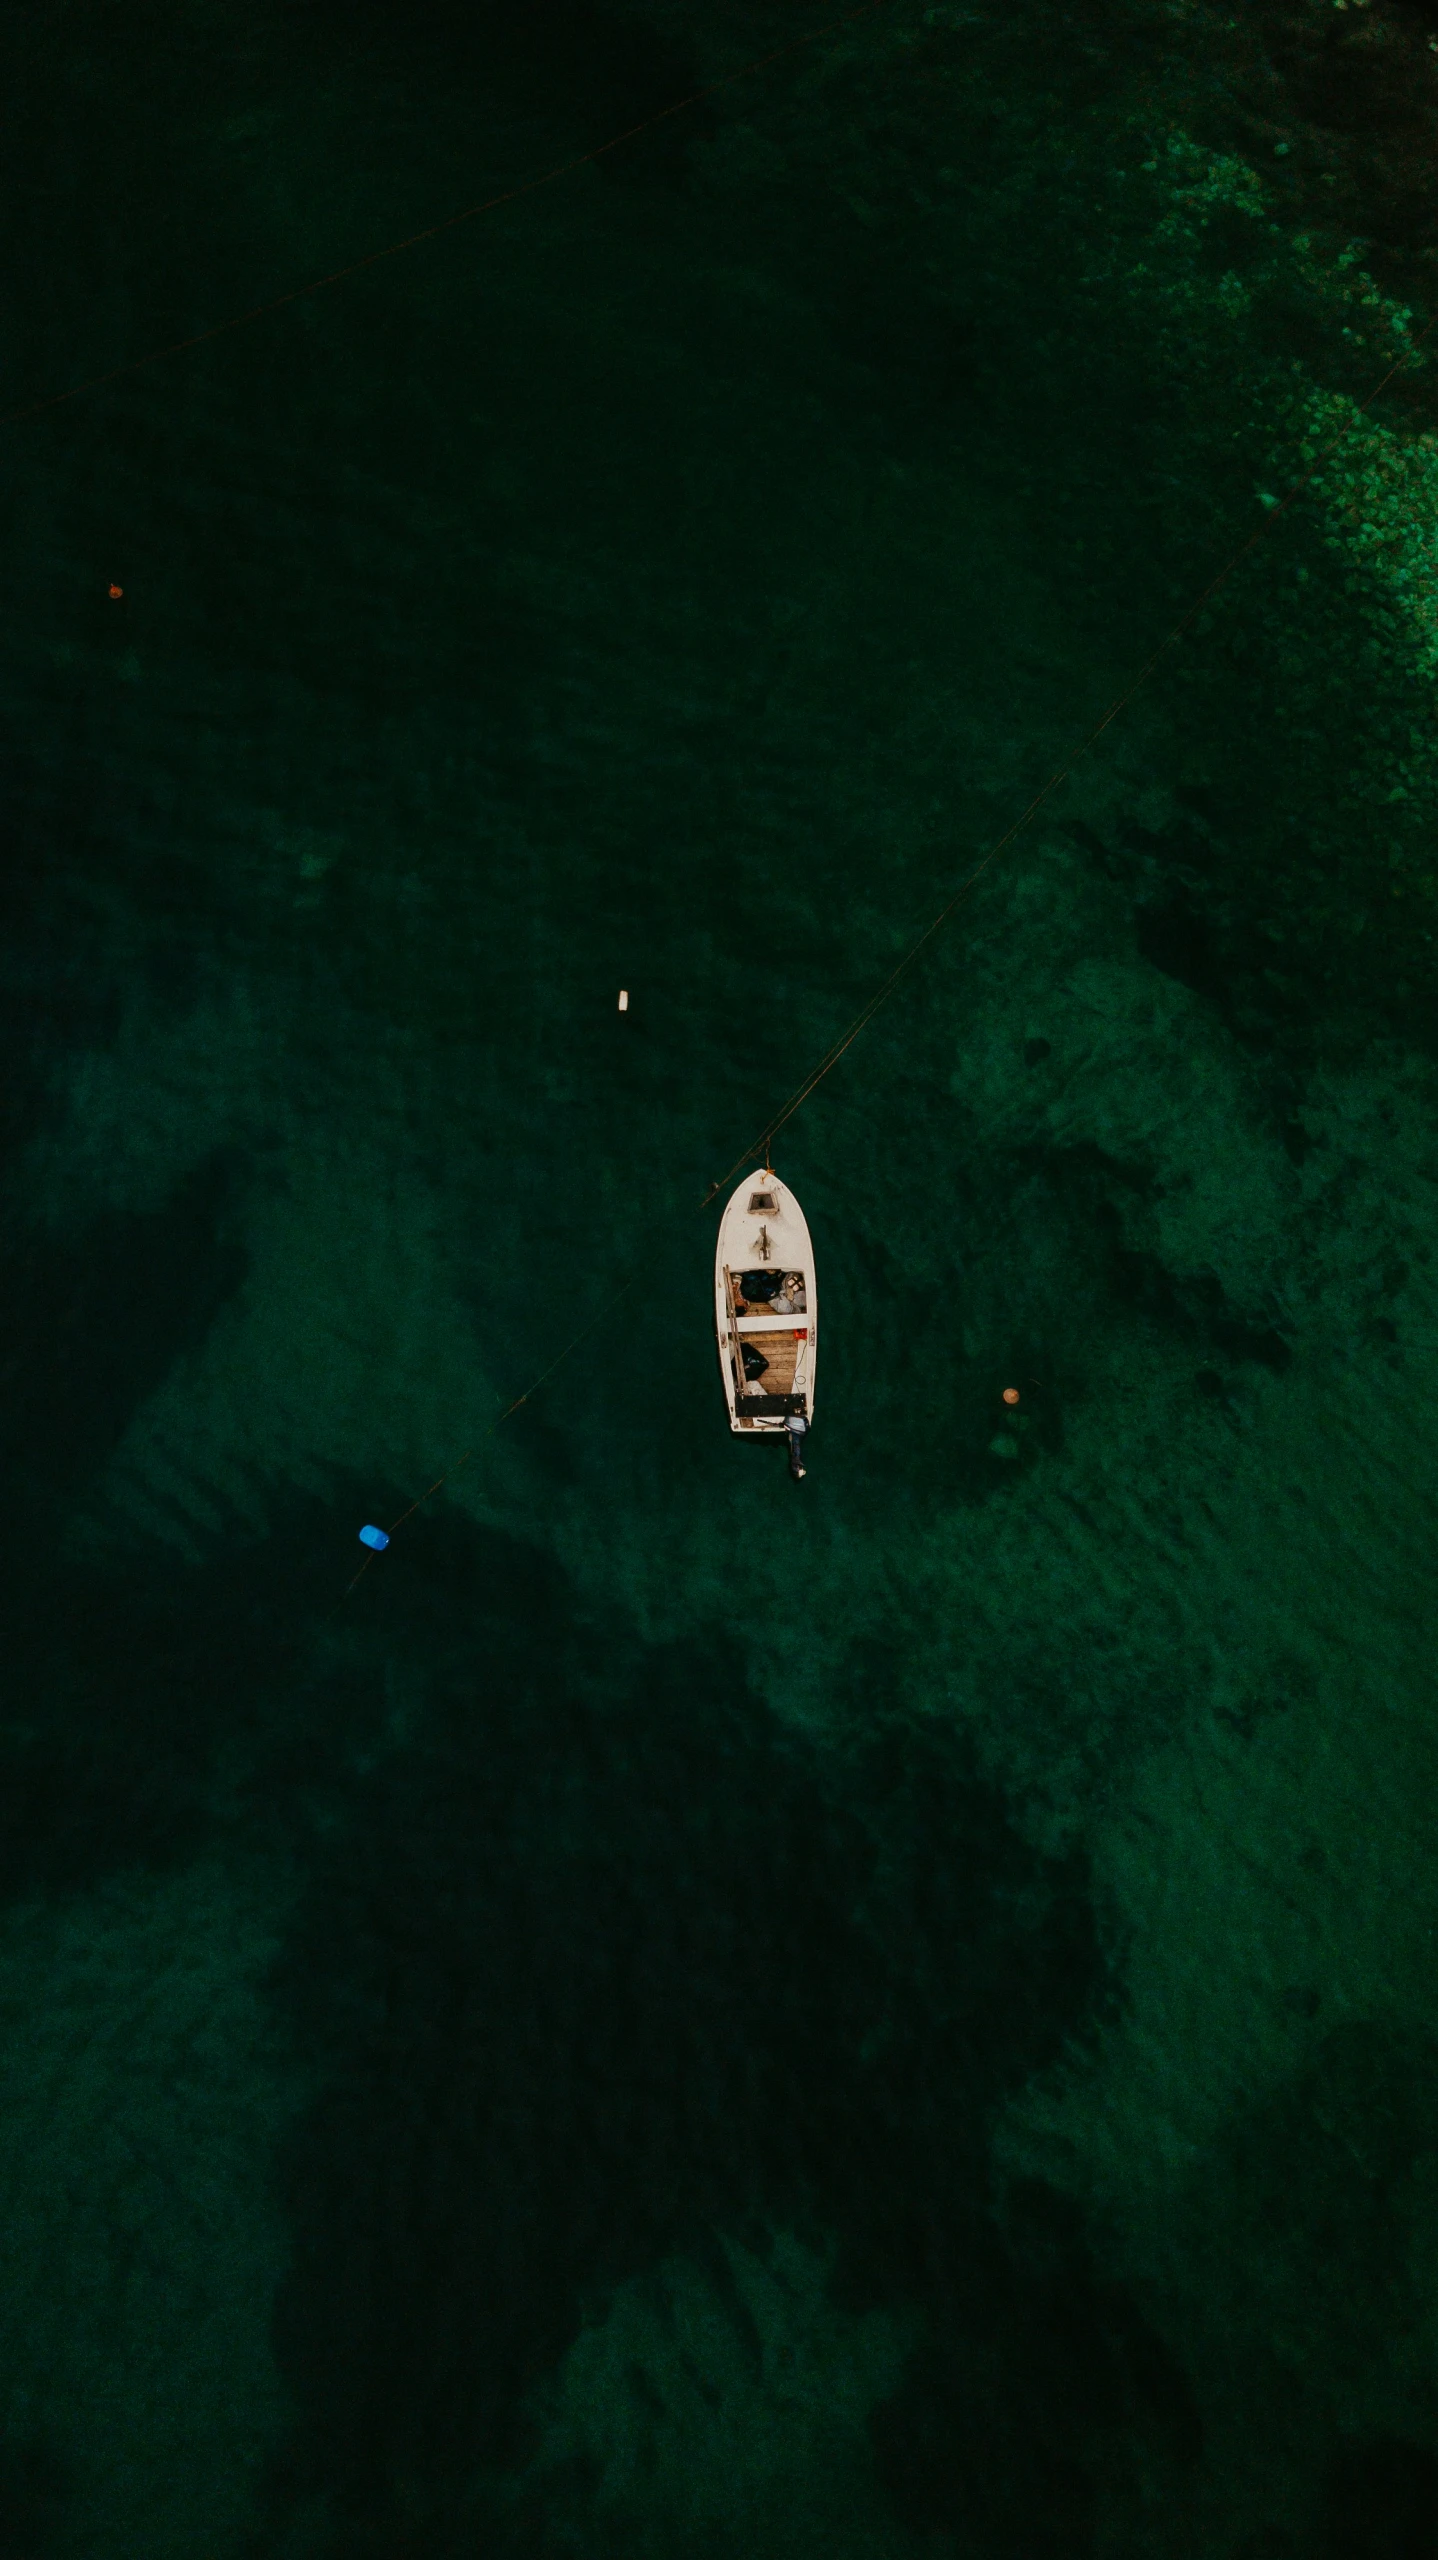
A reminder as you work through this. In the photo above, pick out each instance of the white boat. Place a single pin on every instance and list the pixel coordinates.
(766, 1312)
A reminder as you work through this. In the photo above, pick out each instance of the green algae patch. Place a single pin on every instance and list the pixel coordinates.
(1160, 343)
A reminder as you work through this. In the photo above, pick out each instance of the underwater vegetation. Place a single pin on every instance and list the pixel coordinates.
(1162, 255)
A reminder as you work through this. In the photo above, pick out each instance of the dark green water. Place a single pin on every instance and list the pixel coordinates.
(690, 2017)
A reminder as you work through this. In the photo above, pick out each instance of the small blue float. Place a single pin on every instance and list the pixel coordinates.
(376, 1538)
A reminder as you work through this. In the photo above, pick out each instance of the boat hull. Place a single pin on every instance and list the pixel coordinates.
(767, 1350)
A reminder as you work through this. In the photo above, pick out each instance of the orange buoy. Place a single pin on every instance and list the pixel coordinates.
(116, 593)
(1011, 1395)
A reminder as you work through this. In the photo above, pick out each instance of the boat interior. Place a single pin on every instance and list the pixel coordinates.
(768, 1360)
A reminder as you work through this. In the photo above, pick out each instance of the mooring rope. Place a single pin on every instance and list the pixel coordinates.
(449, 222)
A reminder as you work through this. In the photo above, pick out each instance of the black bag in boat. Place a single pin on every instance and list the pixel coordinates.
(760, 1286)
(755, 1363)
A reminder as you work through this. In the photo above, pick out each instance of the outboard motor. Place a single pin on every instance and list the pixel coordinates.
(796, 1426)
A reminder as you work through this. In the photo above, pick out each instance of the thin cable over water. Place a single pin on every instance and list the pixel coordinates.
(449, 222)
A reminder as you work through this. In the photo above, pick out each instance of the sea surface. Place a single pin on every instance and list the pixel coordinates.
(682, 2016)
